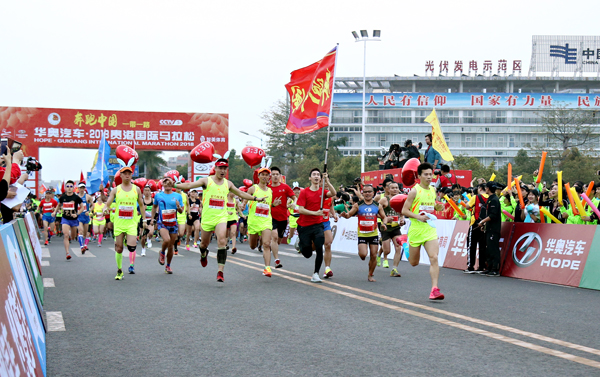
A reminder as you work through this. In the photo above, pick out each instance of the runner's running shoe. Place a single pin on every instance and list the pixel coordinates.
(394, 273)
(234, 250)
(436, 294)
(187, 247)
(204, 259)
(168, 270)
(46, 243)
(143, 251)
(220, 277)
(161, 258)
(131, 270)
(315, 278)
(83, 250)
(68, 256)
(149, 243)
(195, 245)
(267, 271)
(278, 263)
(176, 252)
(328, 273)
(119, 275)
(386, 264)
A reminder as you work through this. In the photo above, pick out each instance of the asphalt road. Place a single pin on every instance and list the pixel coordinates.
(187, 324)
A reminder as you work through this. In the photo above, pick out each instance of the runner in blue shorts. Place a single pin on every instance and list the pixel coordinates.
(167, 204)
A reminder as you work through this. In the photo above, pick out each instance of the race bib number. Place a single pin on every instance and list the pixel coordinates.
(99, 217)
(47, 207)
(326, 213)
(366, 226)
(69, 206)
(169, 216)
(148, 215)
(125, 212)
(195, 208)
(216, 204)
(426, 209)
(262, 210)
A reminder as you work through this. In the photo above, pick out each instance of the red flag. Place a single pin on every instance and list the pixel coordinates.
(81, 178)
(311, 90)
(43, 189)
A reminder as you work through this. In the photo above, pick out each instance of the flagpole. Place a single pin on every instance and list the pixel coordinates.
(329, 122)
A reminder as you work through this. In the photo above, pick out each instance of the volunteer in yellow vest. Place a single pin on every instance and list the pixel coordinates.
(99, 218)
(368, 211)
(181, 219)
(126, 196)
(260, 222)
(420, 206)
(214, 211)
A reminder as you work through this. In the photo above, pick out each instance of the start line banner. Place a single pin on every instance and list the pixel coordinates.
(552, 253)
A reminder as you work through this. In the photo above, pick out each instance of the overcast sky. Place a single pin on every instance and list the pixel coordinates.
(235, 57)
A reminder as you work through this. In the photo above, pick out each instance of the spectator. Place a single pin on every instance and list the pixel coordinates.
(431, 155)
(446, 178)
(492, 224)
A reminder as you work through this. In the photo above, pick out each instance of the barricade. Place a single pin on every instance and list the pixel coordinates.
(22, 326)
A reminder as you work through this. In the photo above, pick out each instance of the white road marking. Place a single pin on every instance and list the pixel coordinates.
(55, 321)
(49, 282)
(45, 252)
(290, 254)
(45, 263)
(77, 252)
(254, 255)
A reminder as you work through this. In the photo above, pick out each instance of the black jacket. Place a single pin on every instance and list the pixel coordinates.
(494, 213)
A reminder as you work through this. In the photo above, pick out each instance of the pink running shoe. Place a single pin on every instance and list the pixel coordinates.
(436, 294)
(161, 259)
(187, 247)
(168, 270)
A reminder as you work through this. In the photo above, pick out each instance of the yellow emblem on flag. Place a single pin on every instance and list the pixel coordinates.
(438, 143)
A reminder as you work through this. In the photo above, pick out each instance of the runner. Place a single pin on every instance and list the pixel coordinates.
(395, 220)
(168, 205)
(294, 214)
(233, 211)
(193, 219)
(70, 205)
(125, 197)
(310, 225)
(84, 218)
(47, 208)
(420, 203)
(368, 239)
(328, 212)
(99, 217)
(214, 212)
(147, 224)
(377, 198)
(181, 220)
(260, 222)
(244, 222)
(283, 197)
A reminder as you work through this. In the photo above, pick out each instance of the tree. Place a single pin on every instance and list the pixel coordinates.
(568, 128)
(577, 166)
(151, 160)
(183, 170)
(238, 169)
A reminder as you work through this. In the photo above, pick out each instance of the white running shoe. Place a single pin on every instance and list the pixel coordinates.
(315, 278)
(143, 251)
(149, 243)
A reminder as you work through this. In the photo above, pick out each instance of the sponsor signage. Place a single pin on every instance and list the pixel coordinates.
(552, 253)
(566, 53)
(470, 101)
(376, 177)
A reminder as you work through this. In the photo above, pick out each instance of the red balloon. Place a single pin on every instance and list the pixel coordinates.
(127, 155)
(152, 184)
(118, 180)
(140, 182)
(212, 171)
(114, 184)
(243, 188)
(409, 172)
(397, 202)
(255, 177)
(203, 153)
(159, 185)
(253, 155)
(247, 182)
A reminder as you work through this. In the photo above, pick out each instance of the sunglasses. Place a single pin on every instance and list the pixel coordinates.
(68, 186)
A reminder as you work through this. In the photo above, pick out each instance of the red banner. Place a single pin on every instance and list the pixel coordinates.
(552, 253)
(311, 89)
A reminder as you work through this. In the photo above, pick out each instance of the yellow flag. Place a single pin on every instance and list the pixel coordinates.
(95, 160)
(438, 143)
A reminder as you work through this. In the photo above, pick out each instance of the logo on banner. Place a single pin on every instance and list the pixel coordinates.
(527, 249)
(169, 122)
(54, 119)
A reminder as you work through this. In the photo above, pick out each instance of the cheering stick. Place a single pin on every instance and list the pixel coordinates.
(547, 213)
(451, 202)
(592, 206)
(541, 169)
(519, 193)
(570, 195)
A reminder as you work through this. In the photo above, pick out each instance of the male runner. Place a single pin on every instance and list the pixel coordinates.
(193, 220)
(84, 218)
(181, 219)
(386, 192)
(147, 224)
(368, 211)
(168, 205)
(214, 212)
(70, 206)
(420, 202)
(328, 234)
(260, 222)
(47, 207)
(283, 196)
(125, 197)
(233, 211)
(310, 222)
(294, 214)
(395, 220)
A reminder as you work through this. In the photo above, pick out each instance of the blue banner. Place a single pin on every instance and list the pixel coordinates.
(470, 101)
(100, 173)
(114, 167)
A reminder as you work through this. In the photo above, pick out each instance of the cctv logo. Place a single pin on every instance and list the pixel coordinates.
(527, 249)
(169, 122)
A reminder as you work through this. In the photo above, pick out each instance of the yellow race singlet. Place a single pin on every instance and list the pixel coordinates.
(126, 211)
(259, 217)
(420, 232)
(214, 198)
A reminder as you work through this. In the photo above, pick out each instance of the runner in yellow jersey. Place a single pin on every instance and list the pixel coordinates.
(233, 211)
(126, 196)
(214, 211)
(99, 218)
(181, 219)
(260, 222)
(419, 204)
(294, 214)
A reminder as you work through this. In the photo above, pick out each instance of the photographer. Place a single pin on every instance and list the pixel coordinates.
(16, 193)
(390, 159)
(445, 177)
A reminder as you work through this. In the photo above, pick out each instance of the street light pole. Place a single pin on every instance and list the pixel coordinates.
(259, 138)
(364, 37)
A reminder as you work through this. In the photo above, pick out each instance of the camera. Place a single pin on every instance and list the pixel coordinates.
(32, 165)
(437, 172)
(11, 144)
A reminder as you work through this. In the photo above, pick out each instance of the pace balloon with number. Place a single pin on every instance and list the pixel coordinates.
(409, 172)
(126, 155)
(253, 155)
(203, 153)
